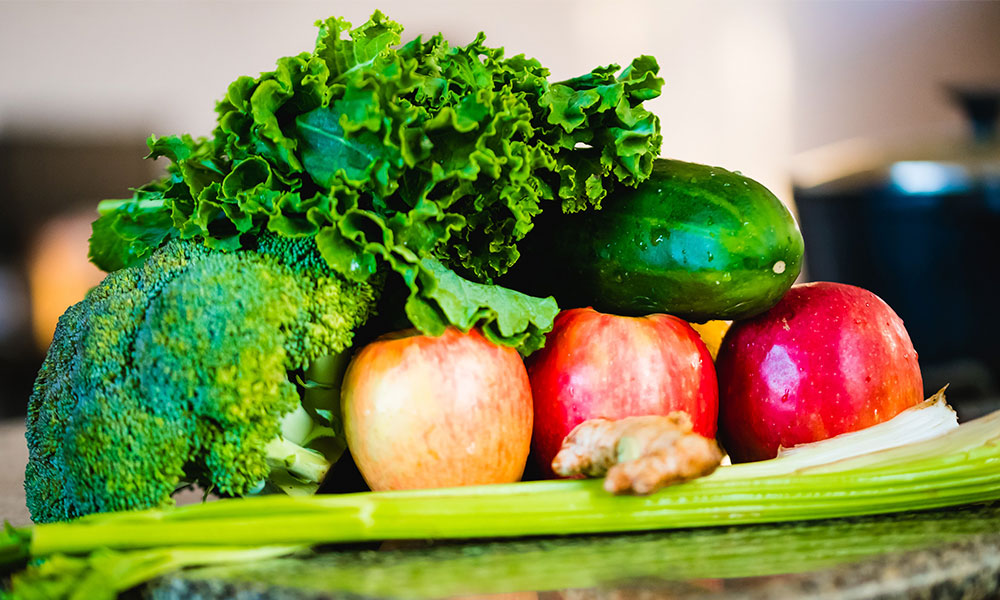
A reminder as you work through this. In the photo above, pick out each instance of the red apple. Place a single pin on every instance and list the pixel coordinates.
(423, 412)
(829, 358)
(600, 365)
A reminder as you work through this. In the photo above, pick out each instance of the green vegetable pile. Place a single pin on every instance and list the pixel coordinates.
(364, 177)
(360, 188)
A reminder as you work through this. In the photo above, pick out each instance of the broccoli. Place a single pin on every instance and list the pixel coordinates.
(196, 366)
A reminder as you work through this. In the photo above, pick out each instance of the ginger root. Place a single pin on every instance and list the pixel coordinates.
(637, 455)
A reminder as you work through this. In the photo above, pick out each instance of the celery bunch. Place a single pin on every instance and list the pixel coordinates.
(596, 561)
(958, 467)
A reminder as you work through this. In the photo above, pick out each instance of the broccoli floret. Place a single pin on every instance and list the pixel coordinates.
(193, 367)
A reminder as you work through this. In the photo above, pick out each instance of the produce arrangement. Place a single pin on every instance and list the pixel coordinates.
(434, 265)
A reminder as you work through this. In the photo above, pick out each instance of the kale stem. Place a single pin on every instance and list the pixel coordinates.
(105, 207)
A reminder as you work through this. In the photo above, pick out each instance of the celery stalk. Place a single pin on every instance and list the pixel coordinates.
(501, 567)
(959, 467)
(124, 549)
(927, 420)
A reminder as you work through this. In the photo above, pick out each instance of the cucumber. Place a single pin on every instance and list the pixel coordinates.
(694, 241)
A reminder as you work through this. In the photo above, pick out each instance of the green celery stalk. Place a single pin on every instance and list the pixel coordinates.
(960, 467)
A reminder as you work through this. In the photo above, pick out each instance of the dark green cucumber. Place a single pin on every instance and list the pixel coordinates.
(694, 241)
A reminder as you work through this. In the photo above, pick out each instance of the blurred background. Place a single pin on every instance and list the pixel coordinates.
(857, 114)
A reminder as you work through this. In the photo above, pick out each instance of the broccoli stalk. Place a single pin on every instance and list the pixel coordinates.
(200, 366)
(305, 468)
(311, 438)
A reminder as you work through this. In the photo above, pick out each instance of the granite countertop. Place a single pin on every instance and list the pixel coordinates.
(13, 458)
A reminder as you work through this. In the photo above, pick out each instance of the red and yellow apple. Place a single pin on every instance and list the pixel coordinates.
(601, 365)
(423, 412)
(828, 359)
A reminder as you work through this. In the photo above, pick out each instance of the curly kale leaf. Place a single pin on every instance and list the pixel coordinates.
(392, 154)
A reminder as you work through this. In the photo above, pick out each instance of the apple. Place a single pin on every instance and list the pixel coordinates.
(601, 365)
(828, 359)
(422, 411)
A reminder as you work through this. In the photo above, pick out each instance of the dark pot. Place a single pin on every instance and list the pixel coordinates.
(921, 228)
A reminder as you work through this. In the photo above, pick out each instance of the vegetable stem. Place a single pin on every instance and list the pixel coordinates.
(309, 465)
(957, 468)
(105, 207)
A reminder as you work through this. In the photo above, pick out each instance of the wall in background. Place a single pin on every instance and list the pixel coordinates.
(750, 84)
(879, 68)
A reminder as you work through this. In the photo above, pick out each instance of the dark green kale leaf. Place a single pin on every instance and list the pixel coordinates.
(400, 157)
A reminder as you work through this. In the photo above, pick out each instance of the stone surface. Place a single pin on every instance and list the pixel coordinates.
(13, 458)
